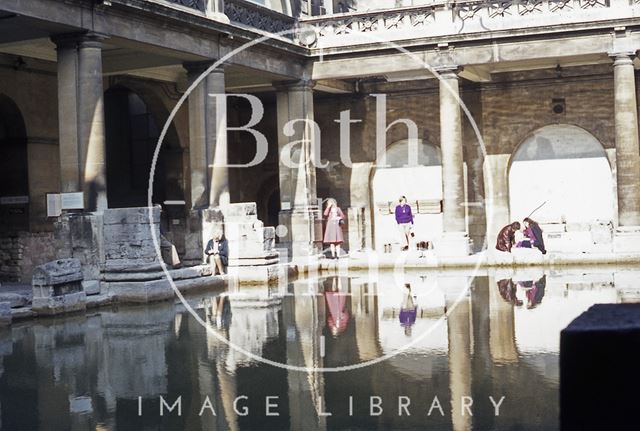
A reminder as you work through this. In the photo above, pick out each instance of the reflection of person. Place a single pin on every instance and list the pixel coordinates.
(337, 317)
(534, 234)
(536, 292)
(408, 311)
(507, 237)
(404, 218)
(333, 232)
(218, 252)
(508, 290)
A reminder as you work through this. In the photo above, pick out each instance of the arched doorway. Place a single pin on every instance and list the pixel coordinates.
(14, 177)
(421, 184)
(566, 167)
(133, 121)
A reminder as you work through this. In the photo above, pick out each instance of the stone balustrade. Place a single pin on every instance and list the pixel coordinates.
(448, 18)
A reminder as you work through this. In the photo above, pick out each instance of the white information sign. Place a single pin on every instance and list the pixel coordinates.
(72, 201)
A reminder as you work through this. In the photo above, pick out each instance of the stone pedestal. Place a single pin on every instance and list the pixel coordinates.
(252, 254)
(79, 236)
(57, 287)
(453, 244)
(304, 233)
(131, 257)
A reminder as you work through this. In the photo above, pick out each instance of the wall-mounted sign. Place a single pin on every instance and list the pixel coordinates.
(72, 201)
(286, 206)
(14, 200)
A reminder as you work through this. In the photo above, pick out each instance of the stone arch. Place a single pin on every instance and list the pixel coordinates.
(422, 182)
(14, 175)
(134, 116)
(567, 167)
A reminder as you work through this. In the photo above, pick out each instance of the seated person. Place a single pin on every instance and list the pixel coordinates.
(218, 252)
(507, 237)
(533, 232)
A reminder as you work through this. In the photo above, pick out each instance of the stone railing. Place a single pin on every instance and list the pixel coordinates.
(450, 18)
(193, 4)
(259, 17)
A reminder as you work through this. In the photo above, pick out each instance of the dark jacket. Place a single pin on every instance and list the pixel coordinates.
(506, 238)
(223, 250)
(538, 241)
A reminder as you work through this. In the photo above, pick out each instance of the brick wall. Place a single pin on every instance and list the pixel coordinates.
(20, 253)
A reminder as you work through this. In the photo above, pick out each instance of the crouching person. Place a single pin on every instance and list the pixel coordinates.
(507, 237)
(217, 252)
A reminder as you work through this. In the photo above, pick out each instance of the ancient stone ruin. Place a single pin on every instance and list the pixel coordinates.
(57, 287)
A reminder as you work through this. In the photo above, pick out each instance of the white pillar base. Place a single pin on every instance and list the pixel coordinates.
(453, 244)
(626, 239)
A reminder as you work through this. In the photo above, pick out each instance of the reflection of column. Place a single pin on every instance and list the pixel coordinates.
(207, 138)
(627, 153)
(460, 342)
(364, 309)
(496, 195)
(81, 118)
(134, 349)
(304, 316)
(298, 180)
(502, 333)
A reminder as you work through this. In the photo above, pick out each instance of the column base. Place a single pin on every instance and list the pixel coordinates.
(304, 233)
(453, 244)
(626, 239)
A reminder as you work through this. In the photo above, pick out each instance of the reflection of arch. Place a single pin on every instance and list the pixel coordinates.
(422, 182)
(133, 116)
(566, 166)
(14, 179)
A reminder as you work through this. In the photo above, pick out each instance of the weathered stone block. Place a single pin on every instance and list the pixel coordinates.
(60, 271)
(134, 216)
(66, 303)
(241, 212)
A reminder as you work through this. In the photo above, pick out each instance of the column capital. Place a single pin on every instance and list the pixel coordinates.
(448, 71)
(199, 67)
(79, 40)
(622, 58)
(300, 85)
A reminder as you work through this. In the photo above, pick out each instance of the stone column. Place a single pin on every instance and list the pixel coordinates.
(455, 239)
(298, 196)
(209, 191)
(627, 152)
(496, 189)
(207, 138)
(81, 118)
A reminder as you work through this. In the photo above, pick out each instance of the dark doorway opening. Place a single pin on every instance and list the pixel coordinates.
(14, 177)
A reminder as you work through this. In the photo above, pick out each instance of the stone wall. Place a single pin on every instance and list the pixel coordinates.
(505, 111)
(20, 253)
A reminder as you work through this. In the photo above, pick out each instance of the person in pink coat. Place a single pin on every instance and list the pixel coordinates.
(333, 232)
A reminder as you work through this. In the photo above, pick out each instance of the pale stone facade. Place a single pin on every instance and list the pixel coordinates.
(86, 88)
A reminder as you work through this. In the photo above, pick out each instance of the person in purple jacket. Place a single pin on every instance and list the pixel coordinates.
(404, 218)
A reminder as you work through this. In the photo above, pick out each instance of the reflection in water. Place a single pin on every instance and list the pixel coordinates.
(336, 300)
(408, 310)
(97, 371)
